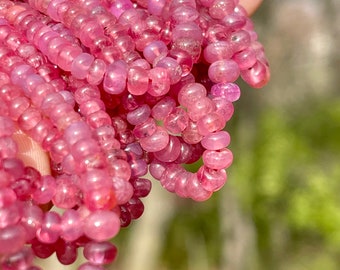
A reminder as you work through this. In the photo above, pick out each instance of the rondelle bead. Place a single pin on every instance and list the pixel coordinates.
(223, 71)
(171, 152)
(81, 64)
(210, 179)
(153, 50)
(50, 229)
(156, 142)
(100, 198)
(123, 190)
(115, 78)
(221, 8)
(66, 252)
(67, 193)
(31, 220)
(138, 81)
(190, 92)
(101, 225)
(195, 190)
(139, 115)
(159, 81)
(217, 51)
(71, 225)
(209, 123)
(229, 91)
(216, 140)
(257, 76)
(177, 121)
(21, 259)
(217, 160)
(100, 253)
(163, 108)
(173, 67)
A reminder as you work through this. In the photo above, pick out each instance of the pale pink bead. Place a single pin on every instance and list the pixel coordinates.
(221, 8)
(84, 147)
(155, 7)
(121, 169)
(7, 195)
(22, 259)
(223, 71)
(50, 228)
(224, 108)
(217, 51)
(68, 119)
(154, 49)
(52, 10)
(181, 184)
(184, 59)
(90, 266)
(159, 81)
(101, 225)
(32, 82)
(138, 80)
(59, 110)
(100, 253)
(90, 32)
(29, 119)
(142, 63)
(118, 7)
(91, 106)
(6, 126)
(229, 91)
(81, 64)
(168, 178)
(115, 78)
(177, 121)
(139, 115)
(51, 45)
(8, 147)
(216, 141)
(12, 239)
(156, 142)
(190, 93)
(45, 192)
(40, 92)
(85, 93)
(239, 40)
(173, 67)
(211, 122)
(10, 215)
(195, 190)
(234, 21)
(51, 100)
(163, 108)
(191, 135)
(200, 108)
(66, 56)
(171, 152)
(190, 45)
(94, 179)
(95, 73)
(184, 14)
(31, 219)
(211, 180)
(187, 30)
(41, 130)
(101, 198)
(71, 225)
(20, 73)
(123, 190)
(257, 76)
(67, 193)
(217, 160)
(75, 132)
(98, 119)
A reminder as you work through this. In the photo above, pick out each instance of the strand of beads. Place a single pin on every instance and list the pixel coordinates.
(110, 89)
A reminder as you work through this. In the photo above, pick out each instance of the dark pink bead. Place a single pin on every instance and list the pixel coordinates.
(191, 135)
(136, 207)
(66, 252)
(141, 186)
(157, 168)
(100, 253)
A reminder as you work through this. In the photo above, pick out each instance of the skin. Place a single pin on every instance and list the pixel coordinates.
(33, 155)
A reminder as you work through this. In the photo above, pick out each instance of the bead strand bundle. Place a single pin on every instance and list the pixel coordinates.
(112, 89)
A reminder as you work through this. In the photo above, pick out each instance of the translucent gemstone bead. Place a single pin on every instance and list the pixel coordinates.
(6, 126)
(224, 108)
(139, 115)
(136, 207)
(91, 106)
(94, 179)
(184, 14)
(217, 160)
(18, 106)
(191, 135)
(184, 60)
(239, 40)
(168, 178)
(12, 239)
(223, 71)
(84, 147)
(118, 7)
(153, 50)
(20, 73)
(234, 21)
(185, 153)
(190, 45)
(123, 190)
(156, 142)
(257, 76)
(155, 7)
(200, 108)
(10, 215)
(163, 108)
(81, 65)
(67, 193)
(85, 93)
(31, 220)
(115, 78)
(100, 253)
(139, 167)
(50, 228)
(190, 92)
(181, 184)
(195, 190)
(210, 179)
(42, 250)
(101, 198)
(21, 259)
(171, 152)
(29, 119)
(66, 252)
(217, 51)
(245, 58)
(159, 81)
(210, 123)
(96, 71)
(46, 190)
(7, 195)
(101, 225)
(141, 187)
(173, 67)
(221, 8)
(187, 30)
(216, 141)
(8, 147)
(177, 121)
(13, 166)
(90, 266)
(156, 168)
(75, 132)
(71, 225)
(138, 80)
(229, 91)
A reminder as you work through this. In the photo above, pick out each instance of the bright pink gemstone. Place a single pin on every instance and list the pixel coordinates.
(67, 193)
(157, 141)
(245, 58)
(257, 76)
(217, 51)
(100, 253)
(8, 147)
(29, 119)
(217, 160)
(155, 49)
(139, 115)
(181, 184)
(216, 141)
(94, 179)
(171, 152)
(145, 129)
(223, 71)
(12, 239)
(123, 190)
(221, 8)
(191, 135)
(50, 228)
(168, 178)
(195, 190)
(200, 108)
(115, 78)
(81, 64)
(157, 168)
(190, 92)
(101, 225)
(224, 108)
(7, 195)
(31, 220)
(71, 225)
(173, 67)
(18, 106)
(121, 169)
(155, 7)
(230, 91)
(159, 81)
(101, 198)
(239, 40)
(138, 81)
(209, 123)
(163, 108)
(177, 121)
(95, 73)
(10, 215)
(6, 126)
(210, 179)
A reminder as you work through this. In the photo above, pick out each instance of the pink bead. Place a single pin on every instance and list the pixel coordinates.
(123, 190)
(66, 56)
(211, 180)
(157, 168)
(195, 190)
(118, 7)
(10, 215)
(50, 228)
(101, 198)
(181, 184)
(22, 259)
(156, 142)
(200, 108)
(239, 40)
(91, 106)
(224, 108)
(216, 141)
(29, 119)
(159, 82)
(184, 59)
(217, 160)
(223, 71)
(138, 81)
(45, 192)
(234, 21)
(100, 253)
(121, 169)
(13, 166)
(96, 72)
(163, 108)
(173, 67)
(85, 93)
(190, 93)
(7, 195)
(101, 225)
(257, 76)
(169, 176)
(95, 179)
(229, 91)
(52, 10)
(6, 126)
(190, 45)
(191, 135)
(20, 73)
(210, 123)
(8, 147)
(115, 78)
(39, 94)
(67, 193)
(153, 50)
(90, 266)
(217, 51)
(81, 64)
(187, 30)
(12, 239)
(171, 152)
(98, 119)
(31, 220)
(221, 8)
(71, 225)
(177, 121)
(184, 14)
(76, 132)
(139, 115)
(155, 7)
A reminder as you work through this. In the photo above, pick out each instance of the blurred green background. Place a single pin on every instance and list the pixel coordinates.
(281, 206)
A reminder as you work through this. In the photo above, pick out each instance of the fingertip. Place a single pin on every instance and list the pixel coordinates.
(250, 5)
